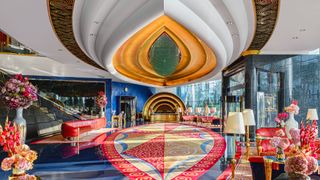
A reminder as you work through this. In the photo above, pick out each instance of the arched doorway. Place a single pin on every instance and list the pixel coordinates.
(163, 107)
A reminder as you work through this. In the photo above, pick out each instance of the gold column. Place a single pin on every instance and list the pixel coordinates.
(268, 168)
(248, 142)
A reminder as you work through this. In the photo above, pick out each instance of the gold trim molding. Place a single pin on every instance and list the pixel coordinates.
(266, 12)
(60, 13)
(131, 59)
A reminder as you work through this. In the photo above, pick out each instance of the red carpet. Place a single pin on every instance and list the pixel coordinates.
(164, 151)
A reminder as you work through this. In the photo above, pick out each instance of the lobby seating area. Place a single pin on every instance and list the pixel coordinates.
(159, 89)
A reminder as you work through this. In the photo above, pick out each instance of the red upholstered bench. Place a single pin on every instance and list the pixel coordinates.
(70, 129)
(263, 136)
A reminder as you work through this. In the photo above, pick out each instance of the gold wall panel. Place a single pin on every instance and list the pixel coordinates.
(60, 13)
(162, 99)
(131, 59)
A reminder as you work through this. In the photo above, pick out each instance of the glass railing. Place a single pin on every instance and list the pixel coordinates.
(10, 45)
(44, 117)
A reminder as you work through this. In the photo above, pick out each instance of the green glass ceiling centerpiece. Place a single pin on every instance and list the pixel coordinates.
(164, 55)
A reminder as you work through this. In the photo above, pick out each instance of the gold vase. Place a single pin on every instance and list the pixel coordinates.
(280, 156)
(16, 173)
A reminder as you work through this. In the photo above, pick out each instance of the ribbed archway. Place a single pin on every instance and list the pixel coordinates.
(163, 102)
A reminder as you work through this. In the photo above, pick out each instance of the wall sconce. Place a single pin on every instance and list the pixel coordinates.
(126, 89)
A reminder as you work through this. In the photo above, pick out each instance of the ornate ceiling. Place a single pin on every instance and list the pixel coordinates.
(116, 37)
(132, 59)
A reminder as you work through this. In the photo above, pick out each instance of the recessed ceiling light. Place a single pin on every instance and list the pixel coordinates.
(302, 30)
(229, 22)
(295, 37)
(96, 22)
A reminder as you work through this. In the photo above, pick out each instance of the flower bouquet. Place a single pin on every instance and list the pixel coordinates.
(19, 92)
(280, 119)
(20, 157)
(101, 101)
(293, 108)
(280, 143)
(302, 161)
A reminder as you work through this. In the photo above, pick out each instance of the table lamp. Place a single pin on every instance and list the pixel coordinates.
(312, 114)
(248, 119)
(234, 125)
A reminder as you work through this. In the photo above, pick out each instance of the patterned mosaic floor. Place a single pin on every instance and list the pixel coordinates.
(164, 151)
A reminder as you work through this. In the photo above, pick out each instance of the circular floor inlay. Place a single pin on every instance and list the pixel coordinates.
(164, 151)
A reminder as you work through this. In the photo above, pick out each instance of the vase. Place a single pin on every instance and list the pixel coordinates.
(291, 123)
(21, 124)
(280, 156)
(101, 113)
(16, 173)
(296, 176)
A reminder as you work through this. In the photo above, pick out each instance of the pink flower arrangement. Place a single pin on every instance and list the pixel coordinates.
(296, 164)
(281, 117)
(303, 159)
(22, 159)
(312, 165)
(101, 99)
(280, 142)
(9, 138)
(301, 164)
(19, 92)
(295, 135)
(293, 108)
(19, 156)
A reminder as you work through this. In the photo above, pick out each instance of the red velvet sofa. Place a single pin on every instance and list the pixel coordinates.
(70, 129)
(263, 136)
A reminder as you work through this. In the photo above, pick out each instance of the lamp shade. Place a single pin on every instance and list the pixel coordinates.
(248, 117)
(189, 109)
(312, 114)
(234, 124)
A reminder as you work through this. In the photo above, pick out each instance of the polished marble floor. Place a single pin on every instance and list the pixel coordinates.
(62, 161)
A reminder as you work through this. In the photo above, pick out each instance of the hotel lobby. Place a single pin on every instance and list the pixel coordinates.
(159, 89)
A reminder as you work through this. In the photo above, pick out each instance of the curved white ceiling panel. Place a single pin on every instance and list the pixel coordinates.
(297, 29)
(29, 23)
(101, 27)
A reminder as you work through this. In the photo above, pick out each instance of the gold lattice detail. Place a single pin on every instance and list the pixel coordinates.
(60, 12)
(266, 17)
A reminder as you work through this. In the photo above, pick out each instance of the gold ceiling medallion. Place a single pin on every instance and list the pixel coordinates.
(196, 59)
(266, 17)
(60, 13)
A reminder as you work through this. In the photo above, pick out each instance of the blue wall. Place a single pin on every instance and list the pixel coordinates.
(113, 89)
(141, 92)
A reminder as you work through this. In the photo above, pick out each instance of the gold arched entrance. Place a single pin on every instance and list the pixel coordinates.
(163, 107)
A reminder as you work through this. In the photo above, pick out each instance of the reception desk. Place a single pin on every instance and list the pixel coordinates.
(164, 117)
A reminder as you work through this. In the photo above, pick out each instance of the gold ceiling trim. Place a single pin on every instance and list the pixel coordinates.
(159, 99)
(60, 13)
(131, 59)
(266, 13)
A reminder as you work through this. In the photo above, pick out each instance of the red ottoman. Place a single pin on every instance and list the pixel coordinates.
(70, 129)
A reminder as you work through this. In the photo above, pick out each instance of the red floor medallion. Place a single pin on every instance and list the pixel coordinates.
(164, 151)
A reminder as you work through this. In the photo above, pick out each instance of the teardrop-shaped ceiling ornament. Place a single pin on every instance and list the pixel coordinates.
(164, 55)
